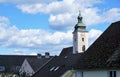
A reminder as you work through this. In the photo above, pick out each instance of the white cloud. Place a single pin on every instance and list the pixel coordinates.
(60, 11)
(4, 21)
(18, 52)
(26, 1)
(44, 41)
(33, 53)
(64, 13)
(33, 38)
(62, 21)
(90, 16)
(58, 7)
(112, 15)
(93, 35)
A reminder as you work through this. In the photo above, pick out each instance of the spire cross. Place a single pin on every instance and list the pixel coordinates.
(79, 13)
(79, 17)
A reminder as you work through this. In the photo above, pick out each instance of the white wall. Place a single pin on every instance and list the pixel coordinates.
(118, 73)
(95, 74)
(77, 45)
(80, 42)
(101, 73)
(26, 68)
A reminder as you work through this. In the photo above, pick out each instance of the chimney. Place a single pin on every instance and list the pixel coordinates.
(47, 55)
(39, 56)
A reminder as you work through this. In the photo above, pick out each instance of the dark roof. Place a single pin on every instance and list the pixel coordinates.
(11, 61)
(36, 63)
(57, 66)
(66, 51)
(104, 53)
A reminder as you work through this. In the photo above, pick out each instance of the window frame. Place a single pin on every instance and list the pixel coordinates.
(112, 74)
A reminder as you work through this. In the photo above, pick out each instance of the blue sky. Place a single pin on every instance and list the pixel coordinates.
(31, 27)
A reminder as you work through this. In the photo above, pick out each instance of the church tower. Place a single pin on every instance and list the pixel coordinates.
(80, 36)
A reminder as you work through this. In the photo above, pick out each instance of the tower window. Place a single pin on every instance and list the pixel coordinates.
(75, 39)
(83, 48)
(82, 39)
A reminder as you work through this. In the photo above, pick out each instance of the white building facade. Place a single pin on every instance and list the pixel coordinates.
(26, 68)
(92, 73)
(80, 37)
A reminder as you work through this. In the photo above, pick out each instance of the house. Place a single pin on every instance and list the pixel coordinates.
(31, 64)
(10, 64)
(57, 66)
(101, 59)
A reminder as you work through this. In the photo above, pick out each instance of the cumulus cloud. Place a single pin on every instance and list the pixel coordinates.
(93, 35)
(4, 21)
(25, 1)
(11, 36)
(62, 21)
(18, 52)
(58, 7)
(112, 15)
(64, 13)
(37, 39)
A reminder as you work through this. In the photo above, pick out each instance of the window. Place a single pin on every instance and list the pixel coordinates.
(83, 48)
(56, 68)
(82, 39)
(52, 68)
(75, 39)
(112, 74)
(79, 74)
(2, 68)
(17, 68)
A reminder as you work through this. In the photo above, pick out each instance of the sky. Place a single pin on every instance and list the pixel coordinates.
(28, 27)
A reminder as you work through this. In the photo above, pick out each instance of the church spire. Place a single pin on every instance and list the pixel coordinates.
(79, 17)
(80, 26)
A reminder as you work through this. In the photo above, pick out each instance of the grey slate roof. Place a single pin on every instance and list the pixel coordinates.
(104, 53)
(66, 51)
(57, 66)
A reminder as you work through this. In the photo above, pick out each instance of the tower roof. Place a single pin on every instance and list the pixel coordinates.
(80, 26)
(80, 23)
